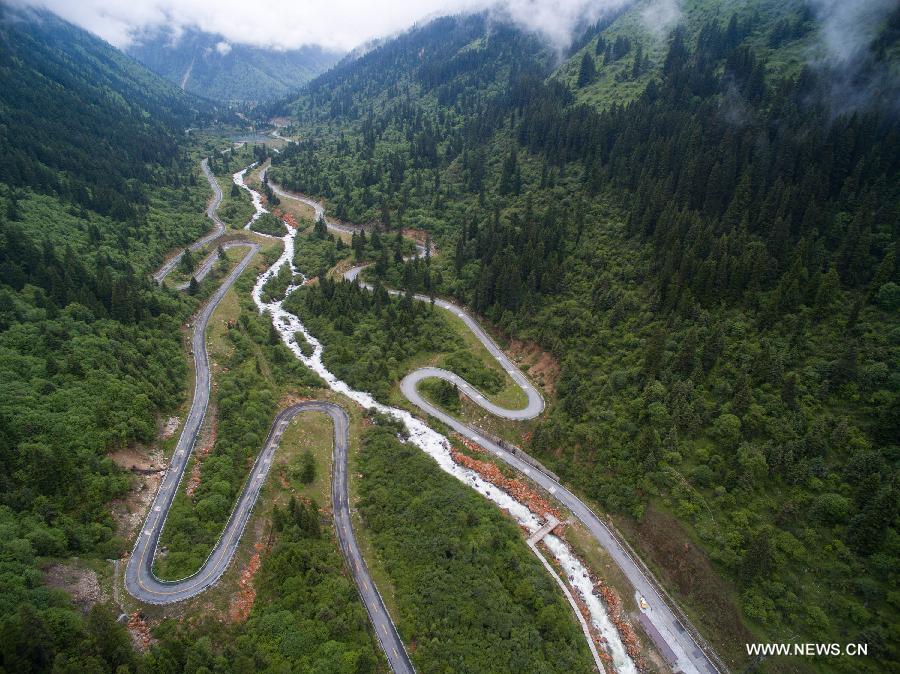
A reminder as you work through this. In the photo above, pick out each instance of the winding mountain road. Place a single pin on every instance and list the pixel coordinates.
(218, 229)
(689, 656)
(141, 582)
(139, 578)
(318, 208)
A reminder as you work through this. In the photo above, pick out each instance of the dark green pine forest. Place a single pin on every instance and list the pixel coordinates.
(94, 189)
(97, 184)
(702, 229)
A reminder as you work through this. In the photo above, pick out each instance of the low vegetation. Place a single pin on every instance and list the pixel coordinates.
(269, 224)
(373, 339)
(470, 595)
(254, 365)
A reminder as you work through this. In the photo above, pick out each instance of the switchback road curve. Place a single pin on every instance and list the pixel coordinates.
(690, 656)
(140, 580)
(675, 630)
(678, 634)
(217, 231)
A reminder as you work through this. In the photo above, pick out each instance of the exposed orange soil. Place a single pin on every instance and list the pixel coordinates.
(617, 615)
(420, 236)
(201, 453)
(473, 446)
(140, 631)
(281, 213)
(599, 641)
(537, 504)
(540, 365)
(623, 625)
(516, 488)
(242, 604)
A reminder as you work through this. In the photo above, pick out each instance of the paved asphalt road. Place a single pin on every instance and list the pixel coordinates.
(670, 627)
(203, 270)
(660, 615)
(315, 205)
(217, 231)
(141, 582)
(535, 404)
(381, 620)
(320, 210)
(139, 578)
(691, 657)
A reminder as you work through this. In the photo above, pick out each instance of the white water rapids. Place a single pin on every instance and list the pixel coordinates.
(433, 443)
(258, 209)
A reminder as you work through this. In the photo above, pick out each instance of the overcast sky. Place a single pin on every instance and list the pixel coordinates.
(340, 24)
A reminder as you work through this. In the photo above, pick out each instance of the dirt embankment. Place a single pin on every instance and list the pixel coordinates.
(84, 587)
(420, 236)
(617, 615)
(284, 215)
(200, 453)
(82, 584)
(662, 541)
(518, 489)
(537, 504)
(170, 427)
(137, 459)
(541, 366)
(242, 603)
(148, 467)
(139, 629)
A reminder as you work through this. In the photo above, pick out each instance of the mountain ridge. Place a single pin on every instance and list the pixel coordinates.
(209, 65)
(706, 242)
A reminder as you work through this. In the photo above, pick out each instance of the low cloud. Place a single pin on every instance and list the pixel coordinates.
(223, 48)
(849, 26)
(558, 21)
(847, 29)
(661, 16)
(336, 24)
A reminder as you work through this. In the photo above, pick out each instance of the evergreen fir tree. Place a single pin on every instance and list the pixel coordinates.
(587, 71)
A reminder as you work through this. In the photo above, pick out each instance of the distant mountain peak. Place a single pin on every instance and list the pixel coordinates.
(212, 66)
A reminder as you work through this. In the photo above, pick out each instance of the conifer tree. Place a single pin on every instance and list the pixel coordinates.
(587, 71)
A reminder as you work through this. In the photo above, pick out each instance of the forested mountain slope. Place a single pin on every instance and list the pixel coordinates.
(94, 188)
(208, 65)
(707, 243)
(784, 36)
(80, 119)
